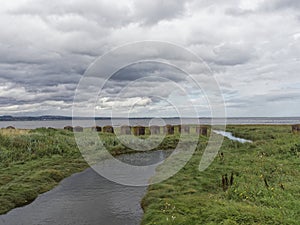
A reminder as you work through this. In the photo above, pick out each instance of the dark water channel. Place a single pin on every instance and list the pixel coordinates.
(86, 198)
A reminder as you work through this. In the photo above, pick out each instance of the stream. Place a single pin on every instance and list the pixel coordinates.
(231, 137)
(87, 198)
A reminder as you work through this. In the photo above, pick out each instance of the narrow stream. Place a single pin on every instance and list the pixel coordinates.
(86, 198)
(231, 137)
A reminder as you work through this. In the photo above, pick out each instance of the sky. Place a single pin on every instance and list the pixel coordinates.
(251, 47)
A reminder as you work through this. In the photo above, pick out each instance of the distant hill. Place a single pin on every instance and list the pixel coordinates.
(33, 118)
(50, 118)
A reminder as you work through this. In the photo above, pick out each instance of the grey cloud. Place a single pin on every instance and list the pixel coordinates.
(143, 88)
(229, 54)
(101, 12)
(145, 69)
(151, 12)
(281, 4)
(283, 96)
(238, 12)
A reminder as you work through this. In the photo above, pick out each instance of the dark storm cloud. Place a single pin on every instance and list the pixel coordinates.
(145, 69)
(38, 76)
(147, 87)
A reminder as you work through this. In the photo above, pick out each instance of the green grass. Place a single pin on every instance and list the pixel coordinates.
(33, 162)
(265, 189)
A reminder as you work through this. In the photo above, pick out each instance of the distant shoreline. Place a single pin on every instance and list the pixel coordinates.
(56, 118)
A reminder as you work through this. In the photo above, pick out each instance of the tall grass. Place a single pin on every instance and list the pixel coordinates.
(265, 187)
(32, 162)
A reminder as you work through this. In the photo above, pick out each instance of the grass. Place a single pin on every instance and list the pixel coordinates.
(265, 187)
(33, 162)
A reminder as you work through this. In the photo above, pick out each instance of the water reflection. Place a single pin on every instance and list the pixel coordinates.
(87, 198)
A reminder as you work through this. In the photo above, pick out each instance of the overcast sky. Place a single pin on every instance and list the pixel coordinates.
(251, 46)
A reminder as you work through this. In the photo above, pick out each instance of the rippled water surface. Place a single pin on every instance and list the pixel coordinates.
(87, 198)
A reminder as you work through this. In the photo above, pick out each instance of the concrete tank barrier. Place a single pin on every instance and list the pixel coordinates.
(125, 130)
(169, 129)
(139, 130)
(154, 129)
(202, 130)
(78, 129)
(296, 128)
(10, 127)
(108, 129)
(184, 129)
(97, 129)
(69, 128)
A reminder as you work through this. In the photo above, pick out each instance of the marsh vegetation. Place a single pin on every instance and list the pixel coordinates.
(250, 183)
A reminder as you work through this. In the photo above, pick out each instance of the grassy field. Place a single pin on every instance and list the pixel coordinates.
(262, 185)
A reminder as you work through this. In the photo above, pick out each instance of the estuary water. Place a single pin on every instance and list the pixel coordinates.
(146, 122)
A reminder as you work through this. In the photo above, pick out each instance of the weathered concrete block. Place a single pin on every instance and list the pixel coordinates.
(184, 129)
(202, 130)
(108, 129)
(125, 130)
(78, 129)
(69, 128)
(97, 129)
(138, 130)
(169, 129)
(155, 129)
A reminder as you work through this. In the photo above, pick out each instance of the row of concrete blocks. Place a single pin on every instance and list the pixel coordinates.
(141, 130)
